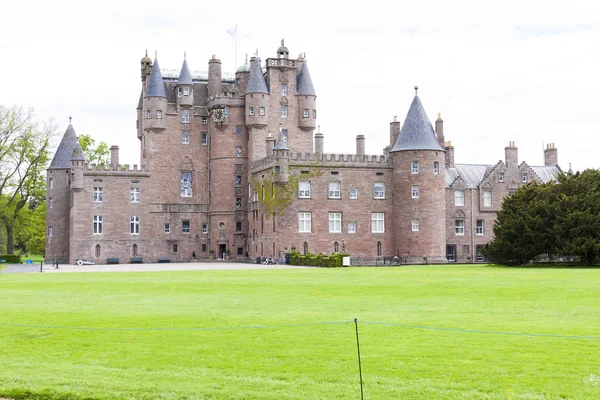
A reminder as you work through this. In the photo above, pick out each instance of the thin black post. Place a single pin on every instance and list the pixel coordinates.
(41, 265)
(359, 366)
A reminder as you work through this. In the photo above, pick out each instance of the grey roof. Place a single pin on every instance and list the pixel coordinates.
(64, 153)
(546, 174)
(256, 83)
(156, 86)
(141, 101)
(282, 141)
(185, 78)
(245, 67)
(417, 132)
(304, 85)
(471, 174)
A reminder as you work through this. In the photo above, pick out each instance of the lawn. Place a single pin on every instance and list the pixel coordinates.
(431, 332)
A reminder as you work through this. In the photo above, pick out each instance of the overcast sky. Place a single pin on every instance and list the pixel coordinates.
(498, 71)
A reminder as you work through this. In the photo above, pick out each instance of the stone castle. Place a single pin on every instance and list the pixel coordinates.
(218, 153)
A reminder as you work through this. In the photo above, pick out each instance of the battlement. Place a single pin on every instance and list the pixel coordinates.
(119, 169)
(197, 76)
(328, 160)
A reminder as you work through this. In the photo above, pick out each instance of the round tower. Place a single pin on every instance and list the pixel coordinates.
(242, 75)
(185, 86)
(280, 156)
(155, 101)
(307, 99)
(257, 110)
(419, 216)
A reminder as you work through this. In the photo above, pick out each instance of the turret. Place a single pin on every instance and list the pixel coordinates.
(418, 221)
(319, 141)
(242, 75)
(257, 96)
(280, 155)
(214, 76)
(282, 51)
(307, 99)
(550, 155)
(155, 100)
(185, 86)
(146, 67)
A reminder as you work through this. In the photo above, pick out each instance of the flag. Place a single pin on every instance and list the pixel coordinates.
(233, 31)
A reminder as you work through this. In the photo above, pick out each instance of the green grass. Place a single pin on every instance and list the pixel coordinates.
(264, 334)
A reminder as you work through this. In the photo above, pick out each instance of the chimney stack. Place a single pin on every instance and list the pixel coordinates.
(360, 145)
(439, 129)
(550, 155)
(394, 131)
(114, 157)
(269, 144)
(449, 154)
(511, 155)
(319, 141)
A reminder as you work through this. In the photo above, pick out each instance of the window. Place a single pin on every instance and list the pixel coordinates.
(501, 177)
(251, 110)
(238, 151)
(277, 169)
(335, 222)
(336, 247)
(179, 92)
(353, 193)
(185, 138)
(148, 114)
(305, 113)
(415, 225)
(459, 227)
(97, 195)
(134, 250)
(238, 130)
(204, 121)
(204, 229)
(379, 248)
(479, 227)
(50, 231)
(479, 256)
(226, 112)
(284, 89)
(305, 248)
(174, 248)
(185, 226)
(185, 116)
(415, 167)
(238, 203)
(315, 114)
(186, 184)
(97, 224)
(51, 183)
(274, 228)
(459, 197)
(524, 177)
(186, 91)
(304, 222)
(436, 167)
(98, 250)
(379, 190)
(158, 114)
(240, 251)
(304, 189)
(284, 111)
(167, 228)
(352, 227)
(451, 252)
(377, 222)
(238, 226)
(487, 198)
(134, 225)
(134, 195)
(334, 190)
(50, 202)
(261, 111)
(415, 191)
(204, 138)
(238, 180)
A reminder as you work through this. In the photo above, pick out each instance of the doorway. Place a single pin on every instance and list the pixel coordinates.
(222, 248)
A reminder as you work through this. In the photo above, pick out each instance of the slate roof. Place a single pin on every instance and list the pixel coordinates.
(156, 86)
(141, 101)
(256, 83)
(417, 132)
(471, 174)
(304, 85)
(185, 78)
(546, 174)
(245, 67)
(64, 152)
(282, 143)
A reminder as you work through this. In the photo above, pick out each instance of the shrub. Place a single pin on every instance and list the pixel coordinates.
(335, 260)
(11, 258)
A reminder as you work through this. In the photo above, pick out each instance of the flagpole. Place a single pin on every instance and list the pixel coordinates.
(236, 63)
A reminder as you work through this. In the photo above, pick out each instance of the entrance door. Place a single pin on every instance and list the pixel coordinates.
(222, 248)
(451, 252)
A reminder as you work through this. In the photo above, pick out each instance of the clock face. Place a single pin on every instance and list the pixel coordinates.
(218, 115)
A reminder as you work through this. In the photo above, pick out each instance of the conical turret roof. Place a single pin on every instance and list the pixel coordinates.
(156, 86)
(282, 142)
(256, 83)
(304, 85)
(185, 78)
(417, 132)
(68, 149)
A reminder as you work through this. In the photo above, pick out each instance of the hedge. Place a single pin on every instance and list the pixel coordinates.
(11, 258)
(335, 260)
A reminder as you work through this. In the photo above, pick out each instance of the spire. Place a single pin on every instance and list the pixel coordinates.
(68, 149)
(185, 78)
(256, 83)
(417, 132)
(304, 85)
(156, 86)
(282, 143)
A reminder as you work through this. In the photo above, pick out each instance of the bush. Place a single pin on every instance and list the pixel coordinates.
(335, 260)
(11, 258)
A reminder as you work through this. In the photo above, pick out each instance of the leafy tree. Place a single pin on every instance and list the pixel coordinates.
(99, 154)
(24, 156)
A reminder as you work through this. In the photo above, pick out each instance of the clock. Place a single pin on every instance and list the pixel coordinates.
(218, 115)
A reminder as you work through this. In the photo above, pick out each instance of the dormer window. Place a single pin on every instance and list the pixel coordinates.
(186, 91)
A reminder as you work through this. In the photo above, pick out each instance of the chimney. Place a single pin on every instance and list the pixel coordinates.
(439, 128)
(449, 154)
(114, 157)
(360, 145)
(214, 75)
(511, 155)
(269, 144)
(550, 155)
(394, 131)
(319, 141)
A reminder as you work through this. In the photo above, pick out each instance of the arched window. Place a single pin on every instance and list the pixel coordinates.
(135, 250)
(305, 248)
(378, 248)
(336, 247)
(98, 250)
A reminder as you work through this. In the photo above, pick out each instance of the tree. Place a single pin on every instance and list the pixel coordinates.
(24, 156)
(98, 155)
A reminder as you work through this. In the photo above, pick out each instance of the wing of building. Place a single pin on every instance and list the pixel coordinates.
(230, 165)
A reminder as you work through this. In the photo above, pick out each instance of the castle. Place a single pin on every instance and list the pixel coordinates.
(231, 165)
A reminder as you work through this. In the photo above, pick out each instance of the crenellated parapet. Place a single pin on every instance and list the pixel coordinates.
(326, 161)
(117, 169)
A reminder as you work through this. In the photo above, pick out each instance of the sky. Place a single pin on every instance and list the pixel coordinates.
(497, 71)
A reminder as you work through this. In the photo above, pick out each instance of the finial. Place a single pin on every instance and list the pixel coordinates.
(282, 42)
(70, 120)
(318, 128)
(184, 55)
(155, 54)
(416, 89)
(304, 57)
(439, 115)
(256, 54)
(246, 58)
(146, 52)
